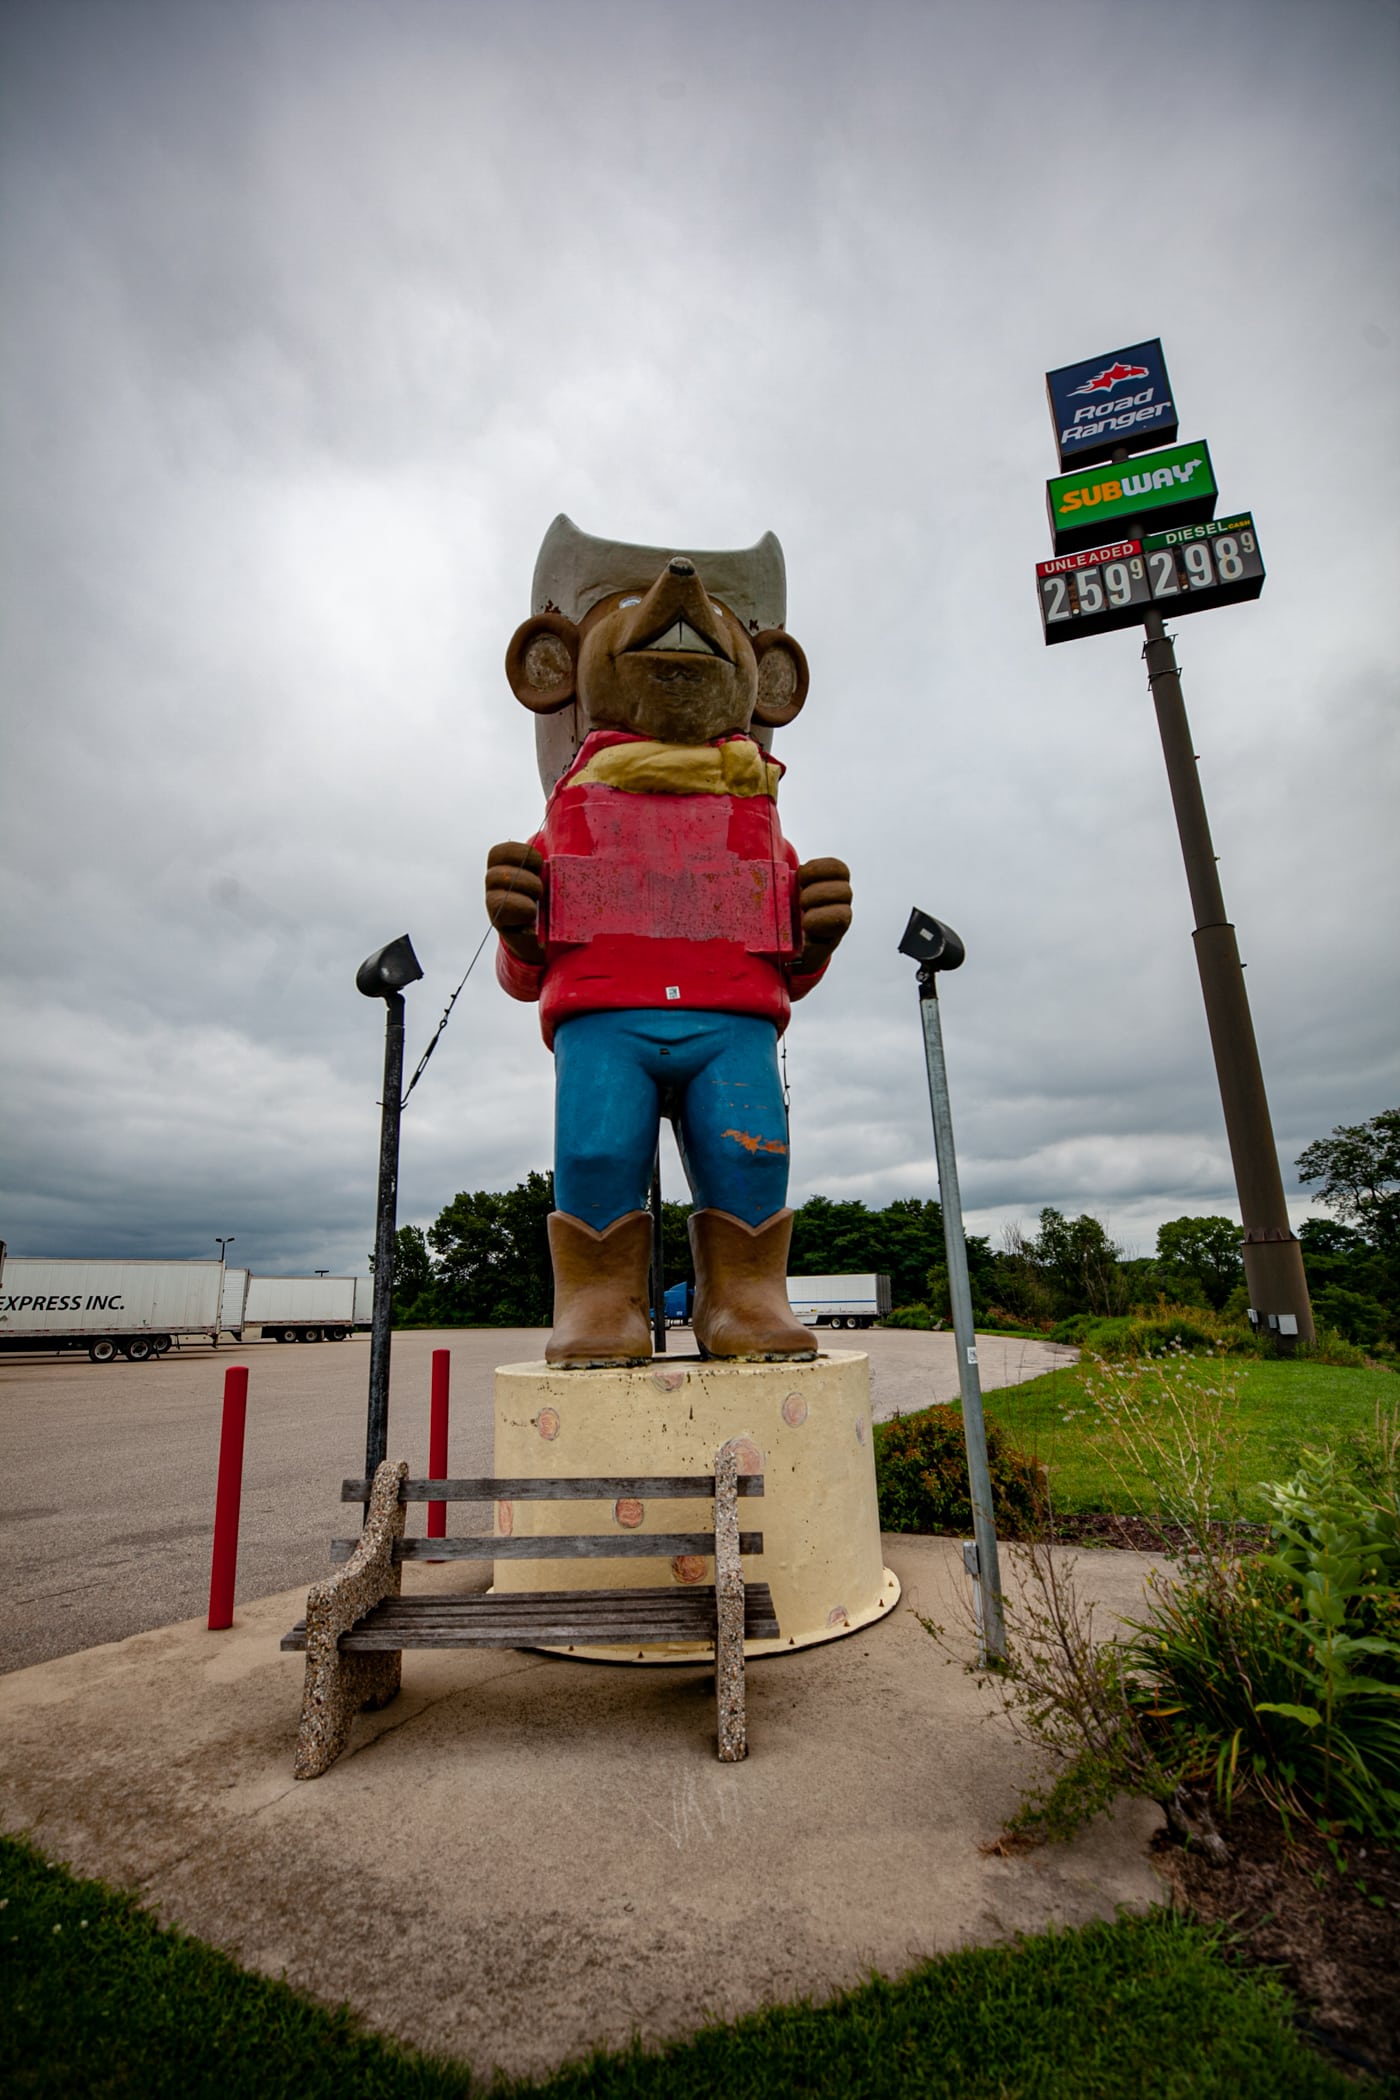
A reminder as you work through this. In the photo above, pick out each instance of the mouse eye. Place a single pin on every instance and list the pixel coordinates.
(623, 603)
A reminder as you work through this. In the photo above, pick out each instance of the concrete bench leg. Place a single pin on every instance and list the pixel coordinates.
(337, 1685)
(729, 1601)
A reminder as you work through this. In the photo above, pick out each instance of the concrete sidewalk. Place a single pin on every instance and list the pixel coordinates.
(524, 1857)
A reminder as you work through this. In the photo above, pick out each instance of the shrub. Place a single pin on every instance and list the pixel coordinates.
(1164, 1327)
(1354, 1314)
(1284, 1672)
(921, 1476)
(1332, 1348)
(1277, 1672)
(998, 1319)
(911, 1316)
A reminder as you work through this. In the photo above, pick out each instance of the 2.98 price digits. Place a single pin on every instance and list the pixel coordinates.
(1204, 564)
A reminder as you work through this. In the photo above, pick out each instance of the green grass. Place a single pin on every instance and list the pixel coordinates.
(98, 2001)
(1281, 1407)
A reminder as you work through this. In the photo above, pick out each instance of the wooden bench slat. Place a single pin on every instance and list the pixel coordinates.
(607, 1617)
(666, 1486)
(596, 1545)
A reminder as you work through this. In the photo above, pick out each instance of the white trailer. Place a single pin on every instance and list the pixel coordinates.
(133, 1309)
(233, 1302)
(839, 1301)
(302, 1308)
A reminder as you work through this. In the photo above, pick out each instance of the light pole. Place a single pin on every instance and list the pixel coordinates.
(934, 947)
(223, 1246)
(383, 976)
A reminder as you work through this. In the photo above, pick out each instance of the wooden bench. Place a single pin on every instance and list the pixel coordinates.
(358, 1623)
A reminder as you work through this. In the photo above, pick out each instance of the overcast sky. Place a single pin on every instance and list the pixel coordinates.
(314, 317)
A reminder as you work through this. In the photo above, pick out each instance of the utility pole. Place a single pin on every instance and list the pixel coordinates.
(1273, 1258)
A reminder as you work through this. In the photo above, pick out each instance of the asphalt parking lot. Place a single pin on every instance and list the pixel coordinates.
(107, 1481)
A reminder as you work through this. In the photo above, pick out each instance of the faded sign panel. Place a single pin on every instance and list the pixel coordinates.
(749, 901)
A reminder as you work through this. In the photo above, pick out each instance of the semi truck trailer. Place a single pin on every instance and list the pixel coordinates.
(818, 1301)
(306, 1308)
(131, 1309)
(839, 1301)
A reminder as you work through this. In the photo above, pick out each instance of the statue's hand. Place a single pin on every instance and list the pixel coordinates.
(824, 899)
(513, 894)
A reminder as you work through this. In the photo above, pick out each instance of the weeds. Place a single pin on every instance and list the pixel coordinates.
(1278, 1672)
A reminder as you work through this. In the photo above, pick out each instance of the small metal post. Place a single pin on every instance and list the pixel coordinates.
(936, 947)
(658, 1266)
(437, 1438)
(228, 1497)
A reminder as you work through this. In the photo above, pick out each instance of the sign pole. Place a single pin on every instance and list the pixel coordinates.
(1273, 1259)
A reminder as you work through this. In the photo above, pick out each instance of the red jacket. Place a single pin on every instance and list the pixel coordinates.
(667, 883)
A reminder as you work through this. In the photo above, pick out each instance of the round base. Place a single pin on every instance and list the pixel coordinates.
(806, 1429)
(753, 1650)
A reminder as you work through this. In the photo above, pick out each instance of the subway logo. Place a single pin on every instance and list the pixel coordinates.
(1172, 487)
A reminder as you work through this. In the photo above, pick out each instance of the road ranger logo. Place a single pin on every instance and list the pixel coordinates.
(1113, 376)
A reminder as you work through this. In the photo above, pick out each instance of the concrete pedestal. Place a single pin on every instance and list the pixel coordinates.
(807, 1430)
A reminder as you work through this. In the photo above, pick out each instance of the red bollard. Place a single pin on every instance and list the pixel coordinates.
(437, 1440)
(228, 1498)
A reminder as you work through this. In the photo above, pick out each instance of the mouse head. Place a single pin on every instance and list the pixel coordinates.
(681, 648)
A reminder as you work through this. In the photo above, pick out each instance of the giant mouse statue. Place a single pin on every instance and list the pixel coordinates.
(664, 924)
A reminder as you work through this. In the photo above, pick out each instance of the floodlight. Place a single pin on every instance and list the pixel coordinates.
(931, 944)
(388, 969)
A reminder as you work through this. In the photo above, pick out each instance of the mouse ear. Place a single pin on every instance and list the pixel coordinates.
(542, 663)
(782, 678)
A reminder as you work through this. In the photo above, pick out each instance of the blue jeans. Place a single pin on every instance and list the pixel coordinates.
(714, 1075)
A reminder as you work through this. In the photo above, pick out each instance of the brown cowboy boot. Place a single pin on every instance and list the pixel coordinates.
(741, 1300)
(600, 1291)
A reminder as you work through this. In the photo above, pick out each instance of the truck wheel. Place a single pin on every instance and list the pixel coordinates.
(159, 1344)
(310, 1334)
(103, 1350)
(136, 1350)
(286, 1334)
(337, 1334)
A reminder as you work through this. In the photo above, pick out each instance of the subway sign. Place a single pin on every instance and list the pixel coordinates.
(1188, 569)
(1176, 487)
(1109, 403)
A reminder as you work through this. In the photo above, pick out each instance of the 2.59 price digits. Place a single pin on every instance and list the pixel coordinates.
(1083, 592)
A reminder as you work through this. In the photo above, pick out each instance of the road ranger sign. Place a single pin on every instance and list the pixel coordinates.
(1110, 404)
(1176, 487)
(1188, 569)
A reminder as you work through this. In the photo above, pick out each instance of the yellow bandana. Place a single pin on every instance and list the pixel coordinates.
(737, 767)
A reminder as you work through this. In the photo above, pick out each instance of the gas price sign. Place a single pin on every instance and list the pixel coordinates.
(1186, 570)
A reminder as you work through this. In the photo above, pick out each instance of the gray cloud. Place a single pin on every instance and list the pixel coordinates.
(318, 315)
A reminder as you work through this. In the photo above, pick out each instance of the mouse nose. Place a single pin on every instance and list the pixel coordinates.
(679, 566)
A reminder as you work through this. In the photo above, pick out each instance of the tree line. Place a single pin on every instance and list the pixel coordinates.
(485, 1262)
